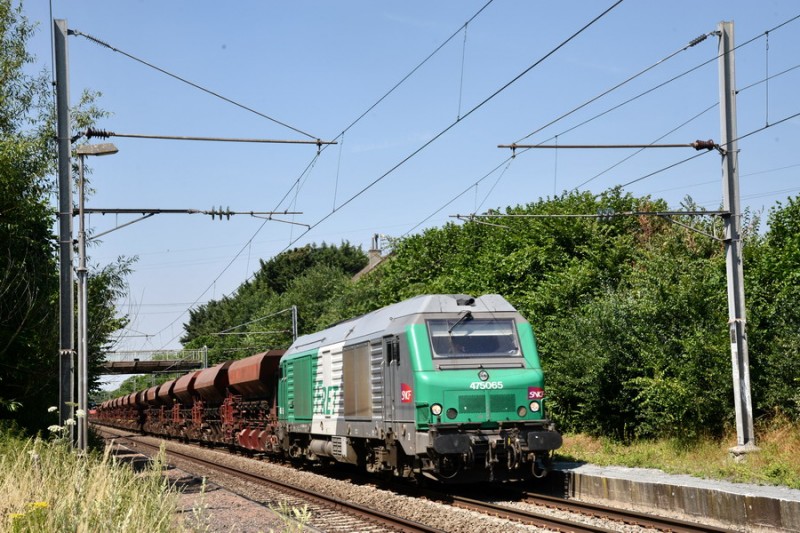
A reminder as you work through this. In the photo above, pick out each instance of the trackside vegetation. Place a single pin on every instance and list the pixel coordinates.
(46, 486)
(776, 464)
(29, 340)
(630, 314)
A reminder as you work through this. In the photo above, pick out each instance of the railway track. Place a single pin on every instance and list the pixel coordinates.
(622, 516)
(335, 514)
(330, 514)
(589, 510)
(619, 517)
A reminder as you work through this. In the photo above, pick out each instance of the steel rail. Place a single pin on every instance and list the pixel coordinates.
(598, 511)
(621, 515)
(522, 516)
(526, 517)
(364, 513)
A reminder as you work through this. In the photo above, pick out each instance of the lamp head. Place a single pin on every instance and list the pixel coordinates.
(97, 149)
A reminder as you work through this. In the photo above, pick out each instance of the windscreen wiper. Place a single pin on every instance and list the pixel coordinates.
(466, 316)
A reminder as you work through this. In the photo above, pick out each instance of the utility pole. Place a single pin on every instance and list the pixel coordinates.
(733, 243)
(66, 354)
(294, 323)
(83, 295)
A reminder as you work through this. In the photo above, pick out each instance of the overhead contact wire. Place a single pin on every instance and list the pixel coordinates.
(341, 135)
(785, 119)
(673, 130)
(617, 86)
(421, 63)
(656, 87)
(692, 43)
(699, 39)
(191, 83)
(772, 77)
(230, 263)
(453, 124)
(459, 195)
(685, 123)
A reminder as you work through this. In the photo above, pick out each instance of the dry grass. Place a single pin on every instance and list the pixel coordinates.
(48, 487)
(777, 462)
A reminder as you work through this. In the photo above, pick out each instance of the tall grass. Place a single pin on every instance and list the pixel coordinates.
(46, 486)
(776, 463)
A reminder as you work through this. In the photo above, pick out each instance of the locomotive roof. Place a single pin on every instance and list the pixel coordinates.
(381, 320)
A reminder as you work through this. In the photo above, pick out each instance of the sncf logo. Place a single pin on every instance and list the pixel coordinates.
(405, 393)
(535, 393)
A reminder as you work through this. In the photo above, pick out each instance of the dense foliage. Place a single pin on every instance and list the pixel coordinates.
(28, 248)
(630, 312)
(258, 315)
(772, 275)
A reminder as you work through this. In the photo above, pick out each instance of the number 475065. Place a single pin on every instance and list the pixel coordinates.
(484, 385)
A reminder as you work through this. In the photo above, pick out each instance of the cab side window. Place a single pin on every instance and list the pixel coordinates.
(392, 350)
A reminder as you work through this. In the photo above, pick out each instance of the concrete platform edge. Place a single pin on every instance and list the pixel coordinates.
(751, 506)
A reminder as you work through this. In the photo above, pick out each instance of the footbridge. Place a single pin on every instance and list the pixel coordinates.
(154, 361)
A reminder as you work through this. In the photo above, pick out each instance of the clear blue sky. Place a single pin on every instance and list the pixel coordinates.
(318, 65)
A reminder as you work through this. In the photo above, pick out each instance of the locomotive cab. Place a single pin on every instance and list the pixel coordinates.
(479, 395)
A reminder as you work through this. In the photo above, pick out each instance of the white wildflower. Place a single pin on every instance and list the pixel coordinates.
(52, 409)
(55, 428)
(69, 422)
(80, 413)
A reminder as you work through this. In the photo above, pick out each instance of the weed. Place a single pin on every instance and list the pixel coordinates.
(46, 486)
(294, 519)
(777, 462)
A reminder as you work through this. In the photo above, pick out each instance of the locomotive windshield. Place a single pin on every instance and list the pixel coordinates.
(473, 337)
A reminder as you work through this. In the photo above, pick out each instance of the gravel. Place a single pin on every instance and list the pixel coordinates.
(220, 510)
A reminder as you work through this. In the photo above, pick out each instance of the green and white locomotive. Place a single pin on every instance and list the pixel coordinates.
(447, 387)
(444, 386)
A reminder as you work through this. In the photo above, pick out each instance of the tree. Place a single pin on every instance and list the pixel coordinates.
(629, 313)
(277, 286)
(28, 267)
(28, 282)
(773, 283)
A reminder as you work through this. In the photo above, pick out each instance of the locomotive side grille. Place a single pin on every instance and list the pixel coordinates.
(338, 446)
(376, 378)
(290, 384)
(337, 409)
(472, 404)
(502, 403)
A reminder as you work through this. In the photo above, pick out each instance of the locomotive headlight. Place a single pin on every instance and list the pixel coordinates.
(436, 409)
(452, 413)
(521, 411)
(535, 407)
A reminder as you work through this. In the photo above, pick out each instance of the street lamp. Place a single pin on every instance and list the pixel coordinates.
(83, 294)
